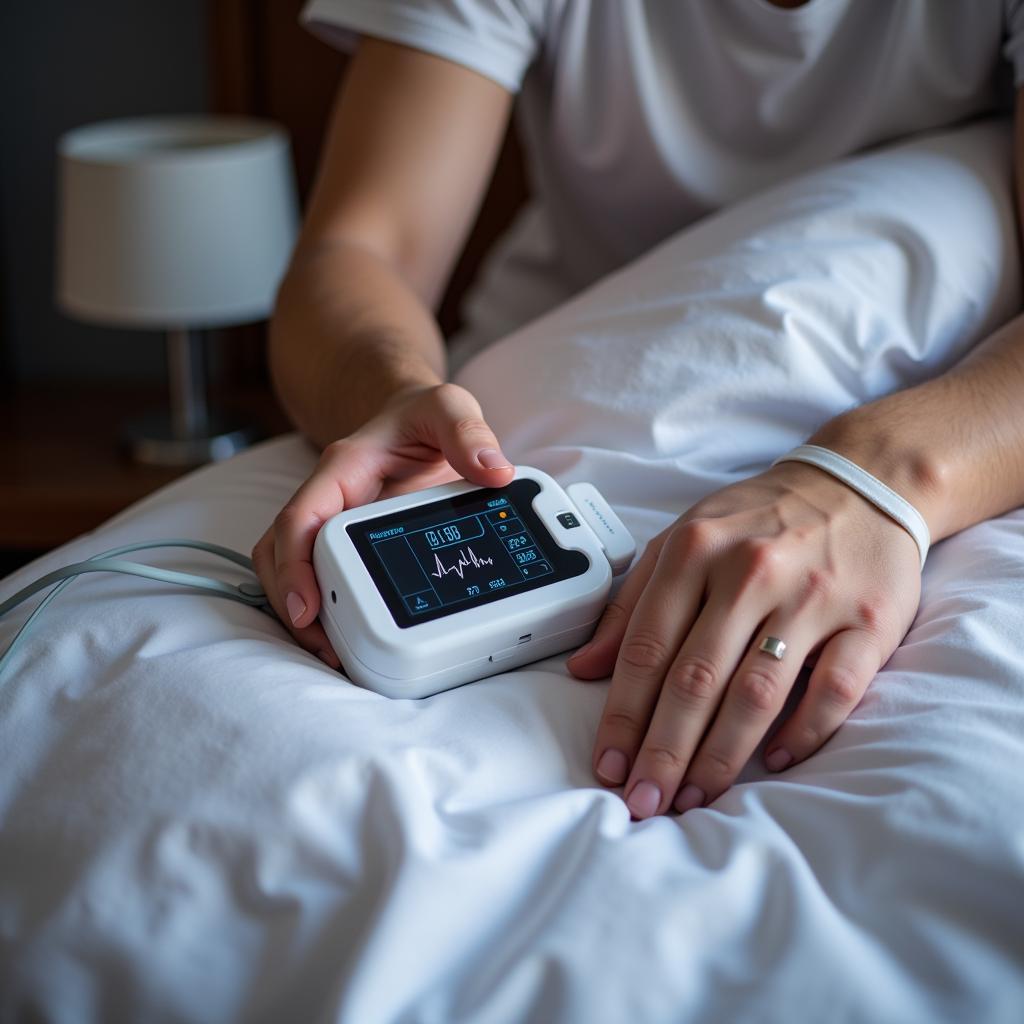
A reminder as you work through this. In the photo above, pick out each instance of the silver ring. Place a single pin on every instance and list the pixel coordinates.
(774, 646)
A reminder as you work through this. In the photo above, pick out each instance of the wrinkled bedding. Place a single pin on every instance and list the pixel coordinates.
(201, 822)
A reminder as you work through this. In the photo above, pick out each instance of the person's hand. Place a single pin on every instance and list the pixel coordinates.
(423, 436)
(792, 553)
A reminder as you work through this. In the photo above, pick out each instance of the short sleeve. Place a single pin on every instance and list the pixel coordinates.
(497, 38)
(1013, 45)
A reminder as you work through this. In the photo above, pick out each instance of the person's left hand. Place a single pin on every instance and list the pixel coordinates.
(791, 553)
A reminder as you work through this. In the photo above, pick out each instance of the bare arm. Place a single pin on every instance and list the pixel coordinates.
(952, 446)
(412, 143)
(355, 352)
(793, 553)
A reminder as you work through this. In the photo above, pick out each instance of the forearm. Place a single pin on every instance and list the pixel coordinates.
(952, 446)
(347, 334)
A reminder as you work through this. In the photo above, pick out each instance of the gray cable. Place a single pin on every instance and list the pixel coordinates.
(107, 561)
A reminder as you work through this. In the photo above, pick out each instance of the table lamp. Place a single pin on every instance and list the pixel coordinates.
(181, 224)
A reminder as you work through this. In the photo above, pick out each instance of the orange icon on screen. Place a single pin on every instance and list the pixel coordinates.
(502, 515)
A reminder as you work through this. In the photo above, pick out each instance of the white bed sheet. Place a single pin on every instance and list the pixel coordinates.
(201, 822)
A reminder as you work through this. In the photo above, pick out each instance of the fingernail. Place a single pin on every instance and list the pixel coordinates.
(583, 650)
(644, 799)
(778, 759)
(296, 606)
(491, 458)
(613, 766)
(690, 796)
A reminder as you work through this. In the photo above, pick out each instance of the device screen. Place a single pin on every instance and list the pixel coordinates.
(463, 551)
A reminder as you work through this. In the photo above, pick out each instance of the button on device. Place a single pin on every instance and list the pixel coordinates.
(538, 568)
(509, 526)
(568, 520)
(422, 601)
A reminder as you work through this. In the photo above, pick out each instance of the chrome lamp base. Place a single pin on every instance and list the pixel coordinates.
(153, 440)
(188, 435)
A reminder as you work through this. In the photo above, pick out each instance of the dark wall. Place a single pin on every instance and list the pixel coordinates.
(61, 65)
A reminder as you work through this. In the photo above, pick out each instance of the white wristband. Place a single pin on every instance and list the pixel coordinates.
(868, 486)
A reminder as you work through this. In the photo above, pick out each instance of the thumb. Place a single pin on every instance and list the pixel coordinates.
(467, 442)
(345, 476)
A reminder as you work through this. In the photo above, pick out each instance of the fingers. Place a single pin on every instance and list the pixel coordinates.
(465, 439)
(425, 436)
(596, 659)
(345, 476)
(662, 617)
(841, 676)
(691, 692)
(312, 637)
(753, 699)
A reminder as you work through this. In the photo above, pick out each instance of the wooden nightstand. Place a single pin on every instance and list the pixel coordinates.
(63, 470)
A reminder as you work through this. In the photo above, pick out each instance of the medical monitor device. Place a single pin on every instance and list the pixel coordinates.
(429, 590)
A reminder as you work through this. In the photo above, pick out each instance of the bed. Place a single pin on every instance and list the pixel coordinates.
(199, 821)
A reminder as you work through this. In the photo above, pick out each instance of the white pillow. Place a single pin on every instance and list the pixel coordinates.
(199, 821)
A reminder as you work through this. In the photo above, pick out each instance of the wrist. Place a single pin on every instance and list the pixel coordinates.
(913, 470)
(401, 389)
(382, 384)
(353, 394)
(347, 334)
(868, 487)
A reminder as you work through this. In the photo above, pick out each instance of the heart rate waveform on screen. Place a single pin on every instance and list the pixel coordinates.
(463, 562)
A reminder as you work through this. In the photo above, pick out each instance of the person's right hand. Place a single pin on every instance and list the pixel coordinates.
(425, 435)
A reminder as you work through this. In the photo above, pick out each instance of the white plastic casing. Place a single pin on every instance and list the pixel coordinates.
(435, 655)
(617, 541)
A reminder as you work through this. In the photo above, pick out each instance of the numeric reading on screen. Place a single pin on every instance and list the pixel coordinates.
(459, 552)
(478, 550)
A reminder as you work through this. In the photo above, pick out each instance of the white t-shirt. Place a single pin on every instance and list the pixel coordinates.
(640, 116)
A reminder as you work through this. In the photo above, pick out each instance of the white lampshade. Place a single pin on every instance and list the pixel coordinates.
(174, 221)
